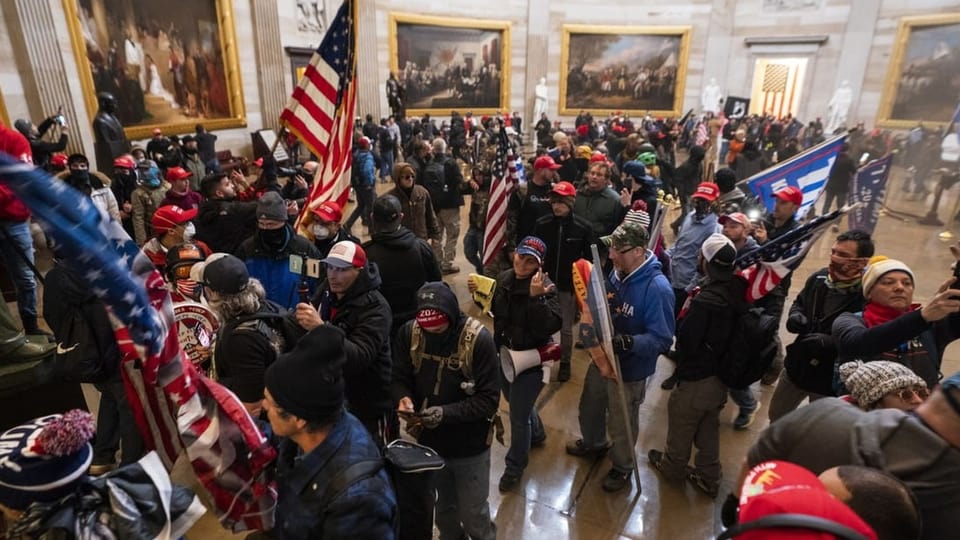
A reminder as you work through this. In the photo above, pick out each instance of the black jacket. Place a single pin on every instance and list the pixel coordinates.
(364, 316)
(466, 416)
(520, 322)
(568, 239)
(704, 332)
(526, 206)
(42, 149)
(224, 224)
(405, 263)
(449, 195)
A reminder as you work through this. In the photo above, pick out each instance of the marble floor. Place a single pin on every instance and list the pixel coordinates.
(560, 496)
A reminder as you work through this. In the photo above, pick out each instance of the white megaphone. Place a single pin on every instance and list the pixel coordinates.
(516, 362)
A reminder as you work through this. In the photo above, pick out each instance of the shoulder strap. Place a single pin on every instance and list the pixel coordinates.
(360, 470)
(416, 347)
(468, 340)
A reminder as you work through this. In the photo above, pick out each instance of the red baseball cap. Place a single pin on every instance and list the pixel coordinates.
(708, 191)
(177, 173)
(346, 254)
(329, 212)
(598, 156)
(790, 194)
(545, 162)
(60, 160)
(169, 216)
(564, 189)
(779, 487)
(738, 217)
(125, 162)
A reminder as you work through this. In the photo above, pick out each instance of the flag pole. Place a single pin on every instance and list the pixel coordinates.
(606, 343)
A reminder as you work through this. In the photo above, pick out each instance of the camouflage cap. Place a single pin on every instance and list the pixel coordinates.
(626, 236)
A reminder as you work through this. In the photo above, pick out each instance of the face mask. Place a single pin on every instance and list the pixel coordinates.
(845, 269)
(274, 238)
(320, 232)
(80, 176)
(188, 231)
(190, 150)
(189, 288)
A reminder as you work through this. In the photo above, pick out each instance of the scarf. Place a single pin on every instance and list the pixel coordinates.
(875, 314)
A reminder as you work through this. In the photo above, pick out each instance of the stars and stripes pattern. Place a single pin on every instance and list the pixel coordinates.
(320, 111)
(775, 77)
(505, 180)
(765, 266)
(176, 408)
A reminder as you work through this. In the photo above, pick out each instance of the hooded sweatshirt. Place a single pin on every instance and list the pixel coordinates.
(468, 404)
(405, 263)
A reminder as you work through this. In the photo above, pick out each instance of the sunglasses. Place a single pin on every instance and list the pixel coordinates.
(918, 391)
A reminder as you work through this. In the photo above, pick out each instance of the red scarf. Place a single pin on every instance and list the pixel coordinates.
(875, 314)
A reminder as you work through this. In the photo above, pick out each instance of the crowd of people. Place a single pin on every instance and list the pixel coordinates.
(335, 364)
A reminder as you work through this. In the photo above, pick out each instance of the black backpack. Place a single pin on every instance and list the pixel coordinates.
(275, 322)
(434, 178)
(751, 349)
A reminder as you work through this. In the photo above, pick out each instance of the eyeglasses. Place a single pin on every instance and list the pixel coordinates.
(625, 250)
(919, 391)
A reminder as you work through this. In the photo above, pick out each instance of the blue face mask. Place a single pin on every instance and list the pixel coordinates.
(150, 177)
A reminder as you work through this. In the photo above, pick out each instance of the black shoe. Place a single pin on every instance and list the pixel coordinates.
(670, 381)
(577, 448)
(616, 481)
(710, 489)
(509, 481)
(655, 457)
(564, 374)
(539, 443)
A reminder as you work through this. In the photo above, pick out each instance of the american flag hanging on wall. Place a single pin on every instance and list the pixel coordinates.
(320, 111)
(504, 182)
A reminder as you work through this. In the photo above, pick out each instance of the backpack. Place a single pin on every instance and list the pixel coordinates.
(750, 350)
(276, 323)
(461, 360)
(434, 178)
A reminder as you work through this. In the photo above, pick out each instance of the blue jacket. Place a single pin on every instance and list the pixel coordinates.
(684, 252)
(366, 172)
(272, 268)
(641, 304)
(366, 510)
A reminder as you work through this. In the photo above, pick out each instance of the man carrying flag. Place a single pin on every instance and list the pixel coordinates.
(505, 180)
(641, 305)
(320, 113)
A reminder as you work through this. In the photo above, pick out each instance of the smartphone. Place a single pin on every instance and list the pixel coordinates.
(956, 274)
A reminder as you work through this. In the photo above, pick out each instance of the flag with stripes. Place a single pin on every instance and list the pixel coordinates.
(505, 180)
(320, 111)
(808, 171)
(764, 267)
(175, 407)
(775, 77)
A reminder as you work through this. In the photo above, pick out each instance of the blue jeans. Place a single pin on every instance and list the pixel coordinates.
(600, 398)
(462, 489)
(744, 399)
(525, 424)
(473, 248)
(386, 165)
(18, 232)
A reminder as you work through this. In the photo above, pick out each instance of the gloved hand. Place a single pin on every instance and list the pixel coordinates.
(797, 323)
(431, 417)
(622, 343)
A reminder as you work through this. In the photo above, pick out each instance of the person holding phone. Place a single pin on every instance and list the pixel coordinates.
(42, 149)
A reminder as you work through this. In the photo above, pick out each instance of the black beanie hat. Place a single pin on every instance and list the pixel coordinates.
(307, 382)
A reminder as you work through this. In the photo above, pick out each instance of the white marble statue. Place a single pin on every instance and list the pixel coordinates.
(710, 98)
(540, 102)
(838, 107)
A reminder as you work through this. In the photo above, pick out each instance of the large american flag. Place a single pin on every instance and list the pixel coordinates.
(765, 267)
(504, 182)
(176, 408)
(320, 111)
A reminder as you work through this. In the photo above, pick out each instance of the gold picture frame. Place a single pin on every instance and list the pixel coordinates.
(476, 53)
(200, 80)
(629, 69)
(921, 84)
(4, 117)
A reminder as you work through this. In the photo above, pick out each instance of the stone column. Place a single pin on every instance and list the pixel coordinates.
(538, 38)
(272, 65)
(36, 33)
(855, 53)
(370, 87)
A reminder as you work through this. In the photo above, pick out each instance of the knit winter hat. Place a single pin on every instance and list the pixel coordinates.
(869, 382)
(271, 206)
(307, 382)
(878, 267)
(44, 459)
